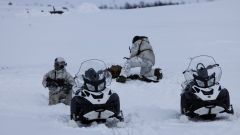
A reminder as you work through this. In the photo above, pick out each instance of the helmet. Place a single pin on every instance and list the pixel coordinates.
(59, 63)
(94, 81)
(136, 38)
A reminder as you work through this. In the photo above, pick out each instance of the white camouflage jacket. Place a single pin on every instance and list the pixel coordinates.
(61, 74)
(146, 51)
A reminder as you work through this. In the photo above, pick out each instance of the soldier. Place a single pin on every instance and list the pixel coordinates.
(59, 83)
(141, 55)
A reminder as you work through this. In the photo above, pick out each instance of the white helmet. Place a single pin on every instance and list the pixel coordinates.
(59, 63)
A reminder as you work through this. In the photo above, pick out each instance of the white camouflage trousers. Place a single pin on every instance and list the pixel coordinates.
(56, 97)
(146, 67)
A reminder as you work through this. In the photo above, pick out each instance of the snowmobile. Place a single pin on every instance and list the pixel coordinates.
(202, 95)
(93, 101)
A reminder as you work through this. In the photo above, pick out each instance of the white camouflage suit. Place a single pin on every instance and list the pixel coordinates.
(145, 59)
(58, 94)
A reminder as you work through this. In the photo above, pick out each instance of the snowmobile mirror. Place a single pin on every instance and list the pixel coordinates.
(212, 66)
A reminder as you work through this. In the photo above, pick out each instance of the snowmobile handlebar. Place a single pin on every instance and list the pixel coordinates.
(208, 67)
(212, 66)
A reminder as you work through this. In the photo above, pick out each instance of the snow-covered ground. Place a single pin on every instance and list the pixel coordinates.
(29, 42)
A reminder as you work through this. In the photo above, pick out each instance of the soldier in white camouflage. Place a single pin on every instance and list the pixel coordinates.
(59, 82)
(141, 55)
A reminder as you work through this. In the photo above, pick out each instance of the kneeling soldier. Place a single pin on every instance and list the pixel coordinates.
(59, 83)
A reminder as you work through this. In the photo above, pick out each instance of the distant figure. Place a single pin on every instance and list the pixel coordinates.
(10, 3)
(141, 55)
(59, 82)
(56, 11)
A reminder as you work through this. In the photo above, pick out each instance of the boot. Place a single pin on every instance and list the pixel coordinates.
(121, 79)
(158, 74)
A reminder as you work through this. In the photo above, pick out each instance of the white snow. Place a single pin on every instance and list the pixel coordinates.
(29, 42)
(88, 8)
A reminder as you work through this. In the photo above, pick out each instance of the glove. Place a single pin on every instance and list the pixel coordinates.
(51, 84)
(60, 82)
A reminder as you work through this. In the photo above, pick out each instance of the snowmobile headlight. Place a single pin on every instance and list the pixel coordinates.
(206, 83)
(200, 83)
(90, 87)
(95, 87)
(101, 86)
(211, 82)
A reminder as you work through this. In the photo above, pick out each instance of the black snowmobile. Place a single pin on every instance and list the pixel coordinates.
(93, 101)
(202, 95)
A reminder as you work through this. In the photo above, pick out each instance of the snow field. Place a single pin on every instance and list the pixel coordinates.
(30, 42)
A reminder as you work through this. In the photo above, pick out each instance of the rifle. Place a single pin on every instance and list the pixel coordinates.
(66, 87)
(54, 82)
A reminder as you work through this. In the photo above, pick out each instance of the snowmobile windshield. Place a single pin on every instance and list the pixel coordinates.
(203, 70)
(93, 75)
